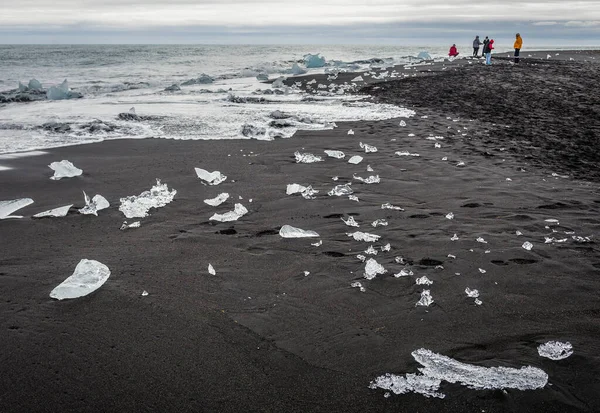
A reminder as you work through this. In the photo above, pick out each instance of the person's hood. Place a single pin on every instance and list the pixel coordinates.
(477, 37)
(492, 41)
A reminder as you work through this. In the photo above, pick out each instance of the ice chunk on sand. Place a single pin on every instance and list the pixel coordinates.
(340, 190)
(336, 154)
(64, 169)
(555, 350)
(371, 250)
(8, 207)
(405, 272)
(61, 92)
(307, 192)
(368, 148)
(454, 238)
(356, 159)
(314, 60)
(211, 270)
(363, 236)
(89, 275)
(527, 245)
(138, 206)
(471, 293)
(212, 178)
(373, 179)
(380, 223)
(390, 206)
(125, 225)
(358, 285)
(238, 212)
(358, 79)
(56, 212)
(287, 231)
(372, 268)
(353, 198)
(426, 299)
(386, 247)
(449, 215)
(350, 132)
(437, 368)
(351, 222)
(218, 200)
(306, 157)
(423, 281)
(173, 88)
(97, 203)
(402, 123)
(406, 153)
(317, 244)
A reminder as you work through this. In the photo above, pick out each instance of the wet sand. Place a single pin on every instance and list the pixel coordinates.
(260, 335)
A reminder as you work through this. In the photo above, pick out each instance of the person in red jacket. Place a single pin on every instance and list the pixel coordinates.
(453, 52)
(488, 52)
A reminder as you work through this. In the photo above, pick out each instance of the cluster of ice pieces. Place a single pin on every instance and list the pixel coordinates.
(363, 236)
(89, 275)
(373, 179)
(368, 148)
(97, 203)
(437, 368)
(341, 190)
(138, 206)
(64, 169)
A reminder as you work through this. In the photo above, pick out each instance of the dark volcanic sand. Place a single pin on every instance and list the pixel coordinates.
(260, 336)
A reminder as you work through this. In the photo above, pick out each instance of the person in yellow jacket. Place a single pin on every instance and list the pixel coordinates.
(518, 45)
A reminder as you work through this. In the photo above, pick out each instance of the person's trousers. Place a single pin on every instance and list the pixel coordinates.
(517, 55)
(475, 51)
(488, 58)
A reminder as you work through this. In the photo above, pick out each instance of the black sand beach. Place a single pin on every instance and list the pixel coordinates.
(260, 336)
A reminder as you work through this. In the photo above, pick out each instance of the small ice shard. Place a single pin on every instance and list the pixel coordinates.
(553, 240)
(335, 154)
(450, 215)
(89, 275)
(555, 350)
(335, 178)
(481, 270)
(519, 233)
(478, 301)
(404, 272)
(306, 157)
(390, 206)
(306, 273)
(353, 198)
(379, 223)
(358, 79)
(454, 238)
(64, 169)
(8, 207)
(527, 245)
(97, 203)
(341, 190)
(361, 257)
(552, 221)
(317, 244)
(437, 145)
(451, 256)
(368, 148)
(481, 240)
(287, 231)
(439, 267)
(471, 293)
(351, 222)
(581, 240)
(371, 250)
(218, 200)
(373, 179)
(211, 270)
(238, 212)
(402, 123)
(358, 285)
(212, 178)
(400, 260)
(372, 268)
(425, 300)
(350, 132)
(125, 225)
(34, 84)
(355, 160)
(423, 281)
(307, 192)
(386, 247)
(369, 169)
(144, 293)
(138, 206)
(445, 158)
(461, 163)
(363, 236)
(406, 153)
(56, 212)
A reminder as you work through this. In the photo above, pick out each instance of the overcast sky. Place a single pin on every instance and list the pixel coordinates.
(300, 21)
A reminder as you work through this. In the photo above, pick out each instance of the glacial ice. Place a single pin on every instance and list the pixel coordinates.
(89, 275)
(314, 60)
(369, 169)
(306, 157)
(56, 212)
(211, 270)
(379, 223)
(278, 83)
(341, 190)
(426, 299)
(386, 247)
(363, 236)
(351, 222)
(449, 215)
(173, 88)
(555, 350)
(454, 238)
(125, 225)
(358, 79)
(390, 206)
(262, 77)
(424, 56)
(423, 281)
(61, 92)
(138, 206)
(368, 148)
(406, 153)
(358, 285)
(356, 159)
(97, 203)
(371, 250)
(437, 368)
(527, 245)
(373, 179)
(203, 79)
(372, 268)
(405, 272)
(297, 70)
(34, 84)
(336, 154)
(238, 212)
(212, 178)
(64, 169)
(8, 207)
(353, 198)
(218, 200)
(307, 192)
(471, 293)
(287, 231)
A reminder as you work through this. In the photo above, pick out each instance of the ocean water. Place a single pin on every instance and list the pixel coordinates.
(113, 79)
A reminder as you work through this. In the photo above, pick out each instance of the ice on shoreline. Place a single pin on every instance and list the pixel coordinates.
(97, 203)
(56, 212)
(89, 275)
(8, 207)
(138, 206)
(288, 231)
(212, 178)
(238, 212)
(64, 169)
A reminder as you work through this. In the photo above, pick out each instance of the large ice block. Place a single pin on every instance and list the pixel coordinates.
(89, 275)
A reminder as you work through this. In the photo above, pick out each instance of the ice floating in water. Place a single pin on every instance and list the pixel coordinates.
(471, 293)
(373, 179)
(97, 203)
(406, 153)
(89, 275)
(138, 206)
(367, 148)
(336, 154)
(61, 92)
(56, 212)
(358, 285)
(34, 84)
(350, 222)
(64, 169)
(314, 60)
(211, 270)
(450, 215)
(340, 190)
(307, 158)
(212, 178)
(555, 350)
(426, 299)
(125, 225)
(527, 245)
(437, 368)
(238, 212)
(364, 236)
(8, 207)
(372, 268)
(218, 200)
(287, 231)
(390, 206)
(380, 223)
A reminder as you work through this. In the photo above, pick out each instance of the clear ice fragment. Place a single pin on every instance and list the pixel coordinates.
(373, 268)
(481, 270)
(350, 132)
(527, 245)
(471, 293)
(355, 160)
(64, 169)
(218, 200)
(212, 178)
(353, 198)
(481, 240)
(351, 222)
(211, 270)
(555, 350)
(8, 207)
(144, 293)
(358, 285)
(406, 153)
(62, 91)
(454, 238)
(386, 247)
(423, 281)
(390, 206)
(89, 275)
(425, 300)
(238, 212)
(125, 225)
(56, 212)
(335, 154)
(371, 250)
(341, 190)
(357, 79)
(317, 244)
(402, 123)
(92, 207)
(478, 301)
(363, 236)
(405, 272)
(373, 179)
(369, 169)
(368, 148)
(287, 231)
(306, 157)
(380, 223)
(138, 206)
(361, 257)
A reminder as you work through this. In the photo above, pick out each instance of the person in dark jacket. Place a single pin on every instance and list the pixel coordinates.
(485, 43)
(476, 44)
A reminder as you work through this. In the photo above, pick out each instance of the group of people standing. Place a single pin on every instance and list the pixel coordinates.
(488, 46)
